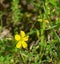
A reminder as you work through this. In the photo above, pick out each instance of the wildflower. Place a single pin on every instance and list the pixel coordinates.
(21, 38)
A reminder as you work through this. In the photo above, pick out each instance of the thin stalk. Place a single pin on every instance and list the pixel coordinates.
(42, 29)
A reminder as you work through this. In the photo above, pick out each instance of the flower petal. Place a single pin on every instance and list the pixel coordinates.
(24, 44)
(25, 38)
(18, 45)
(22, 33)
(17, 37)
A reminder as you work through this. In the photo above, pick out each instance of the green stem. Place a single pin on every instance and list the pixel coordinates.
(42, 37)
(42, 32)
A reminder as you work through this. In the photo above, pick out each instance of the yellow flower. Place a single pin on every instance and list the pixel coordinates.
(21, 38)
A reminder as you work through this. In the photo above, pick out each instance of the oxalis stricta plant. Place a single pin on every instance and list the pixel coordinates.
(16, 12)
(21, 39)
